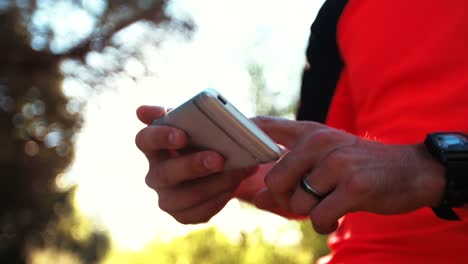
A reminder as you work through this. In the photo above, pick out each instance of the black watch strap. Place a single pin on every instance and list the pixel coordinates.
(451, 149)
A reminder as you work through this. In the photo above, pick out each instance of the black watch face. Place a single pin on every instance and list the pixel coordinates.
(448, 141)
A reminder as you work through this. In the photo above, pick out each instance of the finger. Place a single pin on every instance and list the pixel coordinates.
(274, 200)
(301, 203)
(147, 113)
(322, 179)
(264, 200)
(202, 213)
(283, 131)
(197, 191)
(172, 172)
(154, 138)
(326, 214)
(303, 158)
(282, 179)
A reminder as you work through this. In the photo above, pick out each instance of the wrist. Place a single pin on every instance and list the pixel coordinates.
(431, 177)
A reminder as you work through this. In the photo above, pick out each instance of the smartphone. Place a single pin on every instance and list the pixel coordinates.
(212, 123)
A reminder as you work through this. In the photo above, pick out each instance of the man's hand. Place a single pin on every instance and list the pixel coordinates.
(355, 173)
(191, 186)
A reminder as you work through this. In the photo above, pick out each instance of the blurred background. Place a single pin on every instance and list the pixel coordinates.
(72, 74)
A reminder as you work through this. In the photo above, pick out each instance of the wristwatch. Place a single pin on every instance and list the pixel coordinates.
(451, 149)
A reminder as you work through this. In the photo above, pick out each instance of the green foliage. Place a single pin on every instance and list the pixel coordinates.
(209, 246)
(313, 241)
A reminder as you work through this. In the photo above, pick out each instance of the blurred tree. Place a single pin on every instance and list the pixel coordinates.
(265, 100)
(44, 41)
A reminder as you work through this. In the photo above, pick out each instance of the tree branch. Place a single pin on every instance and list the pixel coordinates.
(155, 14)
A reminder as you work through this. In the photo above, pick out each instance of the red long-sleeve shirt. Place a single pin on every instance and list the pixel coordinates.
(405, 75)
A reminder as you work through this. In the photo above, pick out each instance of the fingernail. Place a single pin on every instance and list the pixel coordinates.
(172, 138)
(209, 162)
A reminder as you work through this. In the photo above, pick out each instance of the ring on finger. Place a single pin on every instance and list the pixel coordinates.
(305, 186)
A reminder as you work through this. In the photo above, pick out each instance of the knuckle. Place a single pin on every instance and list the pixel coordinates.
(336, 159)
(139, 139)
(340, 161)
(314, 140)
(356, 185)
(324, 136)
(307, 143)
(149, 180)
(301, 128)
(148, 139)
(164, 204)
(161, 179)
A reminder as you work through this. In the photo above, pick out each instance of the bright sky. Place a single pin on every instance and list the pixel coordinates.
(108, 167)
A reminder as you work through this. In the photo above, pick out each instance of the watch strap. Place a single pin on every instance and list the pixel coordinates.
(455, 161)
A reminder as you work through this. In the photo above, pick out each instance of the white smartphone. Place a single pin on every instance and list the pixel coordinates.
(212, 123)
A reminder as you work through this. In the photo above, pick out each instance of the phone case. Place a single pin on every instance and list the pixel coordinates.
(212, 123)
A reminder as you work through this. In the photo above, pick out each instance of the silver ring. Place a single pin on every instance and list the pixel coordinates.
(305, 186)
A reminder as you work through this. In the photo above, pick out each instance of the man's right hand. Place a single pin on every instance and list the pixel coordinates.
(191, 187)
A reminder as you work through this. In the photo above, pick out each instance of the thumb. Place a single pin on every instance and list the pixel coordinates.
(284, 131)
(281, 130)
(147, 113)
